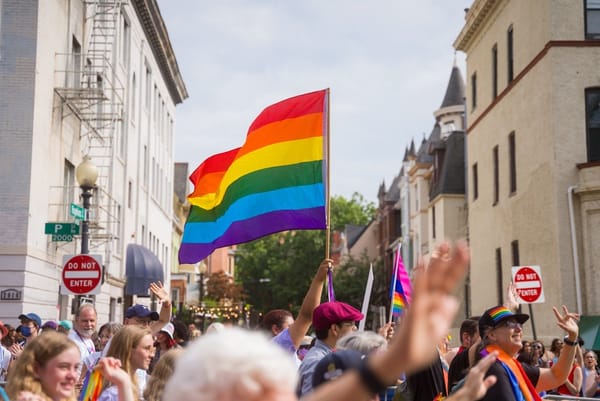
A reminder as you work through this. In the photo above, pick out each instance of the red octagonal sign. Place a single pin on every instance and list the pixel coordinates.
(82, 275)
(528, 283)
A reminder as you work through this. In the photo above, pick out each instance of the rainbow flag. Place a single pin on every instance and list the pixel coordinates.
(401, 287)
(92, 386)
(275, 182)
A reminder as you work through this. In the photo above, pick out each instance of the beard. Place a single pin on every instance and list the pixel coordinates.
(86, 333)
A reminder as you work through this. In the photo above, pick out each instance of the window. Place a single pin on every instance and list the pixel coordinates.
(475, 182)
(433, 222)
(514, 247)
(512, 163)
(148, 87)
(75, 76)
(473, 91)
(494, 71)
(130, 194)
(133, 96)
(509, 51)
(499, 285)
(592, 19)
(125, 39)
(496, 176)
(592, 112)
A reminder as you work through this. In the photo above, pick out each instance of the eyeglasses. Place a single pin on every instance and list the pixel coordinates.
(511, 324)
(536, 346)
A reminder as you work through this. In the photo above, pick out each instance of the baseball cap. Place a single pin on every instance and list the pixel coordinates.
(334, 364)
(169, 329)
(3, 329)
(50, 324)
(138, 310)
(329, 313)
(498, 314)
(33, 317)
(65, 324)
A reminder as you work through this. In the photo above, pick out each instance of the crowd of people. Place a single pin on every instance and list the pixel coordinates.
(148, 356)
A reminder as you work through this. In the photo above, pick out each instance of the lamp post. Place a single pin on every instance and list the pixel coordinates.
(86, 174)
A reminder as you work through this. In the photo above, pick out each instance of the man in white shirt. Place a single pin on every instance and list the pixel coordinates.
(84, 327)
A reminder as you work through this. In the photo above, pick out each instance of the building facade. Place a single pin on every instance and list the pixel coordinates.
(533, 151)
(80, 79)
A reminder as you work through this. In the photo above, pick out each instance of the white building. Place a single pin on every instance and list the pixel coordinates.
(78, 78)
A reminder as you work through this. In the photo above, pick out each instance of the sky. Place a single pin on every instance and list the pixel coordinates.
(386, 63)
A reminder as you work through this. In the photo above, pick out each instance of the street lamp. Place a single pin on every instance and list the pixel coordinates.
(86, 174)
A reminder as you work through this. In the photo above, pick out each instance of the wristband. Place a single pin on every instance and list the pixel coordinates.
(569, 342)
(369, 379)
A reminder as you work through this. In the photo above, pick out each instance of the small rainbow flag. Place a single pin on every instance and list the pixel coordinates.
(92, 386)
(401, 287)
(275, 182)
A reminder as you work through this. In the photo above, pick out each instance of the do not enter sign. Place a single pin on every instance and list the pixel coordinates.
(528, 283)
(82, 275)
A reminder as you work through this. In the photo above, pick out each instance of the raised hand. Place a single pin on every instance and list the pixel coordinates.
(159, 291)
(567, 321)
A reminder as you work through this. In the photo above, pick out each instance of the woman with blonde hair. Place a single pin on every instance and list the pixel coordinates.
(134, 348)
(47, 370)
(163, 370)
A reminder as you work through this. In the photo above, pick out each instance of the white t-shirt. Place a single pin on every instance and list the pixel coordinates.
(4, 361)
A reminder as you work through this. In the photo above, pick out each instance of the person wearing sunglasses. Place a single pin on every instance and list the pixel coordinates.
(502, 331)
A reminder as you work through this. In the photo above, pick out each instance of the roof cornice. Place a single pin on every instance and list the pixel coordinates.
(478, 14)
(158, 38)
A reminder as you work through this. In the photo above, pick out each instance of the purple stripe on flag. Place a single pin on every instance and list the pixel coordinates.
(254, 228)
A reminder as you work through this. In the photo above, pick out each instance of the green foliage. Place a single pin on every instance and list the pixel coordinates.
(276, 271)
(354, 211)
(351, 280)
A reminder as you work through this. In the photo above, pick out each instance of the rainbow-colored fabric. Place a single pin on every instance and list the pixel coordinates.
(92, 386)
(275, 182)
(401, 287)
(499, 313)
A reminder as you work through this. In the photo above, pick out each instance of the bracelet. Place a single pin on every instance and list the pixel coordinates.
(367, 376)
(569, 342)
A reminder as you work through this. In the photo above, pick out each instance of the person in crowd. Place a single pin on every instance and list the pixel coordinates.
(364, 342)
(65, 326)
(469, 335)
(538, 350)
(84, 327)
(164, 342)
(182, 333)
(572, 386)
(161, 373)
(47, 370)
(215, 327)
(140, 315)
(526, 348)
(501, 331)
(30, 327)
(133, 346)
(50, 325)
(591, 376)
(307, 343)
(5, 357)
(331, 322)
(106, 332)
(555, 347)
(193, 331)
(214, 369)
(287, 332)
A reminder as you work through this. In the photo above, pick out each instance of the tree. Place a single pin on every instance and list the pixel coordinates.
(220, 286)
(276, 270)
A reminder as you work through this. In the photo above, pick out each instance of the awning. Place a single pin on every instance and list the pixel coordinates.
(142, 268)
(589, 330)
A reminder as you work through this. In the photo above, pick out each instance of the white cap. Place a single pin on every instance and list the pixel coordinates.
(169, 329)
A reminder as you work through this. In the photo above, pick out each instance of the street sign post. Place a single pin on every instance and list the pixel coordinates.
(77, 211)
(528, 283)
(62, 231)
(81, 274)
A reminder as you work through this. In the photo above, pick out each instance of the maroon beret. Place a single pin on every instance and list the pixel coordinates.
(329, 313)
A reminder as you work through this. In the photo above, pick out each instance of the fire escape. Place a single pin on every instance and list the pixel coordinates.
(92, 99)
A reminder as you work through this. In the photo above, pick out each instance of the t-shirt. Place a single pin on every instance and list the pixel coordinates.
(284, 340)
(502, 390)
(307, 367)
(428, 383)
(458, 368)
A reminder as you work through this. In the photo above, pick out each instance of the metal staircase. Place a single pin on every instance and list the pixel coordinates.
(93, 94)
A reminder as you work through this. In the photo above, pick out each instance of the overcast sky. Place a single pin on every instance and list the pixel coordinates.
(387, 64)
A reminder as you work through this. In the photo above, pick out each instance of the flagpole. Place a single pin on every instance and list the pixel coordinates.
(366, 299)
(327, 175)
(396, 263)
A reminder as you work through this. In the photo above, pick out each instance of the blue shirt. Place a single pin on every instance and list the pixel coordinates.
(307, 367)
(284, 339)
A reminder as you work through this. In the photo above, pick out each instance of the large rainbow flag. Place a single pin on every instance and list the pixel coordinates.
(401, 287)
(275, 182)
